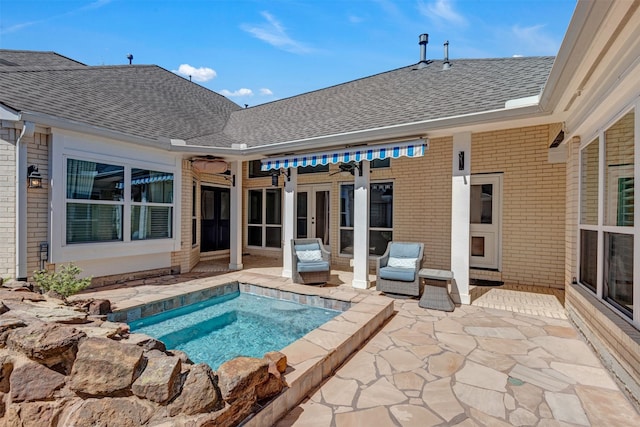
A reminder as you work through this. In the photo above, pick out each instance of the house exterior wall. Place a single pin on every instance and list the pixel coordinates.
(533, 203)
(8, 137)
(37, 202)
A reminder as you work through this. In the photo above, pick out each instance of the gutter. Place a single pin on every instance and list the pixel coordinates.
(28, 129)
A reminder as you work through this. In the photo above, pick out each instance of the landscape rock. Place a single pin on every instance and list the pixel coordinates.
(6, 367)
(99, 307)
(199, 393)
(272, 386)
(51, 344)
(11, 295)
(160, 380)
(33, 414)
(238, 377)
(184, 358)
(33, 381)
(120, 411)
(6, 325)
(105, 367)
(280, 359)
(3, 308)
(146, 342)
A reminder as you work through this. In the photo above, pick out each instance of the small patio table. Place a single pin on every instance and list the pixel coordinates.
(435, 296)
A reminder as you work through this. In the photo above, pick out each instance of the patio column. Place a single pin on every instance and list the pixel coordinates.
(361, 228)
(289, 220)
(235, 223)
(460, 215)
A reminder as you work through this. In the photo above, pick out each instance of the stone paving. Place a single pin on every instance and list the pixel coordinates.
(510, 358)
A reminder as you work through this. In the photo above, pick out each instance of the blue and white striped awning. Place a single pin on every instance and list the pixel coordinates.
(415, 148)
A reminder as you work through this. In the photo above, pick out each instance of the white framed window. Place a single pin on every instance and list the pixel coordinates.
(264, 222)
(116, 202)
(608, 232)
(380, 217)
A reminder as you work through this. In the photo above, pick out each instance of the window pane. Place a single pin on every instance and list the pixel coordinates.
(477, 246)
(254, 169)
(381, 206)
(346, 241)
(225, 205)
(194, 228)
(378, 241)
(151, 186)
(313, 169)
(255, 207)
(589, 259)
(589, 183)
(619, 140)
(273, 201)
(381, 163)
(618, 273)
(94, 181)
(151, 222)
(481, 209)
(254, 236)
(346, 205)
(301, 212)
(193, 200)
(207, 205)
(274, 237)
(93, 223)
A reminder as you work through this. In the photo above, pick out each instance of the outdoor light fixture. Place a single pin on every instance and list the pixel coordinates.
(34, 179)
(275, 173)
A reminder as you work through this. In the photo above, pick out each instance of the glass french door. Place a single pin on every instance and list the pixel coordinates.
(214, 218)
(312, 212)
(486, 195)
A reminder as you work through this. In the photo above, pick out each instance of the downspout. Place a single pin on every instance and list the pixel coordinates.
(28, 129)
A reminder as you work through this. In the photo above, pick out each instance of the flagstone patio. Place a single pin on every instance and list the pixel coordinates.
(511, 359)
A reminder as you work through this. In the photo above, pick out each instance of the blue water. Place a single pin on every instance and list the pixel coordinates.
(237, 324)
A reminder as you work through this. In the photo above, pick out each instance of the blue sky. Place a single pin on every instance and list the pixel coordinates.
(256, 51)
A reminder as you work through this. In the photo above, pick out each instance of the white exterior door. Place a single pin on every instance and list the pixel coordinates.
(312, 212)
(485, 218)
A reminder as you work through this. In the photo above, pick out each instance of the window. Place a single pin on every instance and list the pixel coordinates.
(98, 212)
(380, 217)
(313, 169)
(381, 163)
(607, 219)
(95, 202)
(254, 170)
(265, 218)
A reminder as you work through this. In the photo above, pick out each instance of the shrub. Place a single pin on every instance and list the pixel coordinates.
(63, 282)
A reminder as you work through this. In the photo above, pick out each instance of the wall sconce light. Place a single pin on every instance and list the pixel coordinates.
(34, 179)
(275, 173)
(44, 254)
(460, 160)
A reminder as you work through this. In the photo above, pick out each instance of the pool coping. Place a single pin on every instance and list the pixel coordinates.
(312, 358)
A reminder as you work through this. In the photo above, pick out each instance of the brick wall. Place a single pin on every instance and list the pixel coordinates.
(533, 203)
(571, 214)
(8, 138)
(37, 201)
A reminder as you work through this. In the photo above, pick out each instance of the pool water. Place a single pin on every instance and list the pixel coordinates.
(236, 324)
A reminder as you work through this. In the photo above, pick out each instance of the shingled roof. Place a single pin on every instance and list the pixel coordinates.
(151, 102)
(140, 100)
(25, 58)
(396, 97)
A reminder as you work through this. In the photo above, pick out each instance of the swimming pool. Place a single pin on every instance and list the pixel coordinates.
(236, 324)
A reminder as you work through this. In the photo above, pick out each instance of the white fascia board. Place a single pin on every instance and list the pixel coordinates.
(9, 114)
(522, 102)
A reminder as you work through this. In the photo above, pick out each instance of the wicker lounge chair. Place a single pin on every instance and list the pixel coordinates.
(310, 262)
(397, 269)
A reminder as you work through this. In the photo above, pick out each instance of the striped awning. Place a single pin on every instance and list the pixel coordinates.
(415, 148)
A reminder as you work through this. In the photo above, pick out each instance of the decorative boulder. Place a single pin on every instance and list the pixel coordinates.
(121, 412)
(160, 380)
(199, 393)
(33, 381)
(105, 367)
(239, 377)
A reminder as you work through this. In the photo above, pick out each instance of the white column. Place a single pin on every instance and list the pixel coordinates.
(288, 220)
(235, 223)
(361, 228)
(28, 129)
(460, 215)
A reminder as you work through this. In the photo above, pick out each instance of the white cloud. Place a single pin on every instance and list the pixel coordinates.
(265, 91)
(274, 33)
(202, 74)
(442, 11)
(240, 92)
(533, 40)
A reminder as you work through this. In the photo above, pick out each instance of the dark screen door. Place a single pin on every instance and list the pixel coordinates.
(215, 212)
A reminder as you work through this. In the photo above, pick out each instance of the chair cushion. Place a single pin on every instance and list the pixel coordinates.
(307, 247)
(313, 266)
(402, 262)
(395, 273)
(404, 250)
(309, 256)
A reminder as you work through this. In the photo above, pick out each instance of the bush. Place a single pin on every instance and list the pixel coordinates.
(63, 282)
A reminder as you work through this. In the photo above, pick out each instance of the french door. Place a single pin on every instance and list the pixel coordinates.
(485, 218)
(214, 218)
(312, 212)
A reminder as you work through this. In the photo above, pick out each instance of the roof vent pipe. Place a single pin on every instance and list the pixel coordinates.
(446, 64)
(423, 40)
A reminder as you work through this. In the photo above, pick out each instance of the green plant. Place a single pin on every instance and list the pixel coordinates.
(64, 282)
